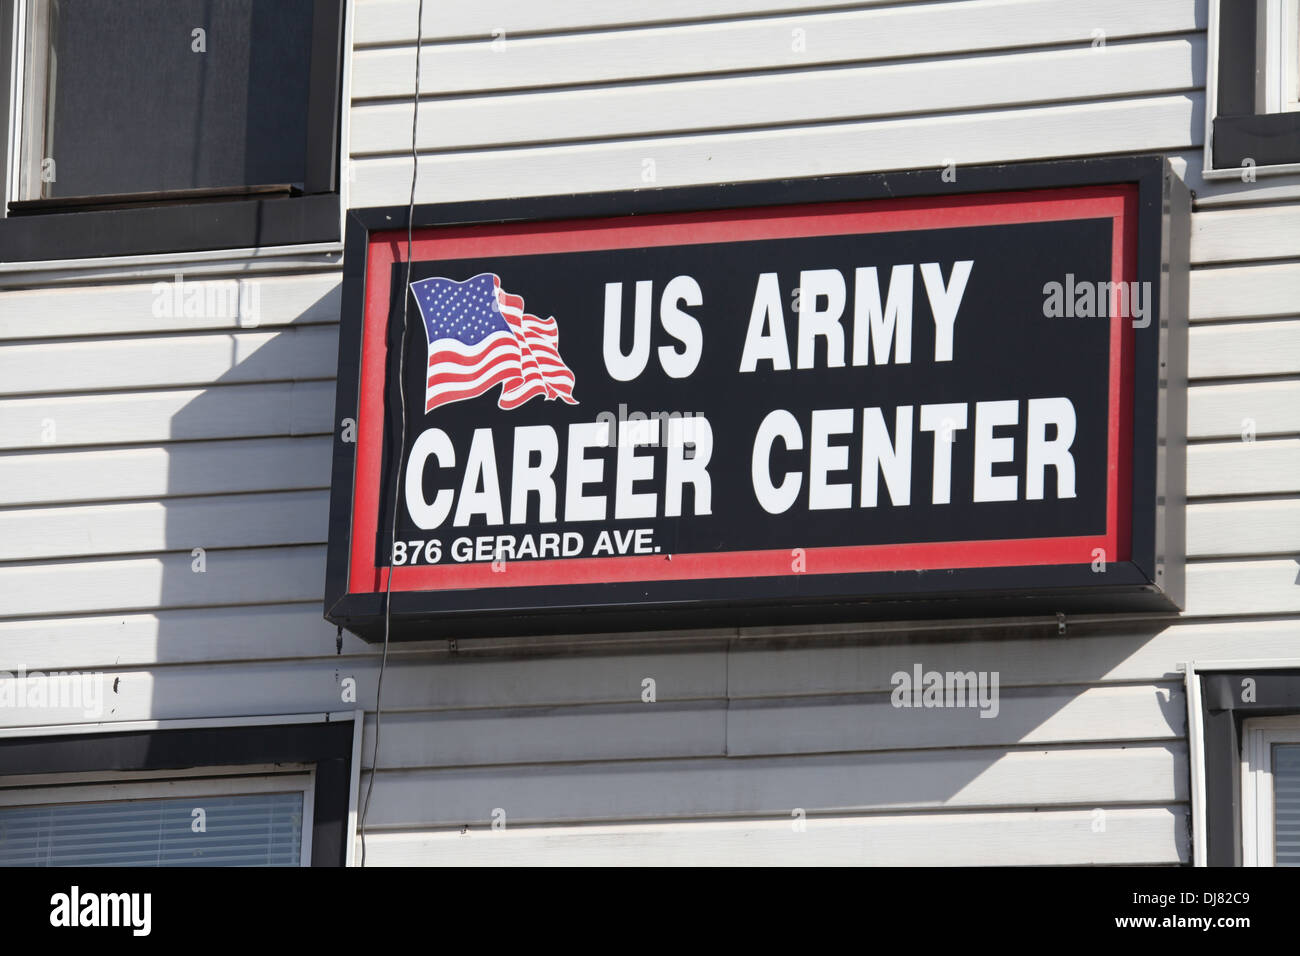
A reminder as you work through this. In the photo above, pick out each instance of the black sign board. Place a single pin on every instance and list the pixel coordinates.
(865, 396)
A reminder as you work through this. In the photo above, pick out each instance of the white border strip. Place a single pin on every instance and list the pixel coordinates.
(344, 168)
(18, 44)
(1211, 90)
(50, 730)
(354, 786)
(1196, 759)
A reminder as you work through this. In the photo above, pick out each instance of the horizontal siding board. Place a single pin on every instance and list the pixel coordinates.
(638, 730)
(1136, 651)
(164, 471)
(156, 307)
(1270, 586)
(636, 110)
(390, 21)
(251, 356)
(313, 685)
(632, 790)
(222, 521)
(1270, 466)
(635, 730)
(697, 673)
(1244, 349)
(217, 263)
(759, 43)
(1232, 235)
(1225, 528)
(1214, 194)
(256, 576)
(236, 645)
(1158, 122)
(1232, 410)
(235, 690)
(1226, 194)
(1235, 292)
(217, 634)
(176, 636)
(1128, 836)
(228, 411)
(1024, 716)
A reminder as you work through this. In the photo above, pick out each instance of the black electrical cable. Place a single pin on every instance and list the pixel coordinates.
(401, 404)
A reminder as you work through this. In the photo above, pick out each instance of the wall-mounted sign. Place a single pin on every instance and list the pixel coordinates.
(860, 396)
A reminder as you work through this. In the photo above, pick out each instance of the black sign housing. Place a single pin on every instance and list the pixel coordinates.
(858, 397)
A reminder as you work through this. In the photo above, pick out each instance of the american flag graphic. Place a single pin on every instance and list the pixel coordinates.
(480, 337)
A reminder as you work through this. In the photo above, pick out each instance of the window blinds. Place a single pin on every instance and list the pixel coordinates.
(263, 829)
(1286, 805)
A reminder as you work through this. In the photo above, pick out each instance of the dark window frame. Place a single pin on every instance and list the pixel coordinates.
(193, 224)
(1240, 133)
(326, 744)
(1223, 717)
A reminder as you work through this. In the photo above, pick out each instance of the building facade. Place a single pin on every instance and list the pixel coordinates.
(168, 423)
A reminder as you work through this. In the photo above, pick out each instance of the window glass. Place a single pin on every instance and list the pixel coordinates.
(1286, 804)
(162, 95)
(262, 829)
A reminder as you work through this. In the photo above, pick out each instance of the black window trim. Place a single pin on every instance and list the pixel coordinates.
(1237, 133)
(202, 226)
(327, 744)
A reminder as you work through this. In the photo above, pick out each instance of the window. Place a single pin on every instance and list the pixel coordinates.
(1253, 88)
(130, 820)
(1281, 41)
(1270, 792)
(169, 125)
(270, 794)
(1244, 737)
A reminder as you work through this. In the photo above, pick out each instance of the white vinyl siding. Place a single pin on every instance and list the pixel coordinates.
(173, 433)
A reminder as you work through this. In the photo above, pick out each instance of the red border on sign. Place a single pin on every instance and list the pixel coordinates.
(1117, 203)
